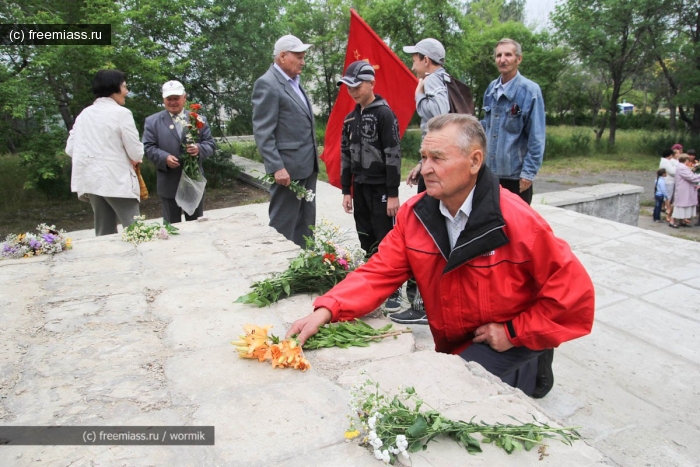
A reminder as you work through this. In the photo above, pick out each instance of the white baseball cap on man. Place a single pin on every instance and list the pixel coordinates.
(173, 88)
(289, 43)
(431, 48)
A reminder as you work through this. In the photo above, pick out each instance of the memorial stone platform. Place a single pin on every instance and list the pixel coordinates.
(116, 334)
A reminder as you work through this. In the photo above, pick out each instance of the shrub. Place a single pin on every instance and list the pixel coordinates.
(578, 144)
(148, 172)
(654, 143)
(641, 121)
(410, 145)
(320, 133)
(12, 177)
(48, 167)
(581, 143)
(220, 169)
(248, 150)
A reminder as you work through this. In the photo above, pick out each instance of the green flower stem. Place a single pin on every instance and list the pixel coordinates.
(350, 334)
(420, 427)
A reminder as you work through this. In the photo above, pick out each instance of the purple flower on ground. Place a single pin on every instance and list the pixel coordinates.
(49, 238)
(10, 251)
(34, 244)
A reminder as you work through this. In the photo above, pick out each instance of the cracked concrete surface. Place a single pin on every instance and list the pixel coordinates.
(115, 334)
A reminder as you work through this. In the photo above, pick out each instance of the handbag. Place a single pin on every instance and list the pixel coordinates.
(142, 184)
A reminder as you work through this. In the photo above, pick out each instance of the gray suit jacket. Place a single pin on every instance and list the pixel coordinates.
(160, 140)
(283, 127)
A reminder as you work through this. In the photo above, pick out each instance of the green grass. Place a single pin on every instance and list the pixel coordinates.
(571, 151)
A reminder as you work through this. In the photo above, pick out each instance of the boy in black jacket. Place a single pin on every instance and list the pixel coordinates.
(370, 162)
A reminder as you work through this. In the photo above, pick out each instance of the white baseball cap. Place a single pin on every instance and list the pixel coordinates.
(289, 43)
(173, 88)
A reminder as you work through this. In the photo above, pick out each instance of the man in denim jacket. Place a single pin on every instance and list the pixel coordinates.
(514, 121)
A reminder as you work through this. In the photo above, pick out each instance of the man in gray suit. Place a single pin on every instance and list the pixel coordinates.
(283, 125)
(163, 138)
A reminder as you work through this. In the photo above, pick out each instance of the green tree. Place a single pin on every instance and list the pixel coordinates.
(608, 35)
(677, 53)
(497, 11)
(324, 23)
(569, 98)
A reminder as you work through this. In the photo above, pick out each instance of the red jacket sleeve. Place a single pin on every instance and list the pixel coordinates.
(363, 290)
(564, 305)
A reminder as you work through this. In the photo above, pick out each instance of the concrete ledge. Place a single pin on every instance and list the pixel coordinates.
(617, 202)
(250, 171)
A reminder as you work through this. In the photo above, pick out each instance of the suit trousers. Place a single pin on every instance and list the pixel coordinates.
(108, 210)
(371, 221)
(172, 213)
(516, 366)
(290, 216)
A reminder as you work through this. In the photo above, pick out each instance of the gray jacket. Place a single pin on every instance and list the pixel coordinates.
(160, 139)
(283, 126)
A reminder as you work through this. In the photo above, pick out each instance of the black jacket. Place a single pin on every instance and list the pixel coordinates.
(371, 148)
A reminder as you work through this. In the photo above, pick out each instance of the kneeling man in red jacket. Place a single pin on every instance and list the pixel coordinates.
(498, 287)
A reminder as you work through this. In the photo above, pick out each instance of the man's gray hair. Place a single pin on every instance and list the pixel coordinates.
(505, 40)
(471, 133)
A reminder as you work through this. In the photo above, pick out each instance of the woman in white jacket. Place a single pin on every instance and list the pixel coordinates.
(105, 147)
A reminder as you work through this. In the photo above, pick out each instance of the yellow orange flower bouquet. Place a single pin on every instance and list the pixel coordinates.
(257, 344)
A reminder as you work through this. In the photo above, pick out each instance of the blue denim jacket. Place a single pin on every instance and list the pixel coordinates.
(515, 128)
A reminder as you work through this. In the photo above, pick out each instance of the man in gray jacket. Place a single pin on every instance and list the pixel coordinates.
(164, 142)
(283, 125)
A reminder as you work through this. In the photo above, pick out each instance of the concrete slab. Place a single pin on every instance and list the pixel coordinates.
(115, 334)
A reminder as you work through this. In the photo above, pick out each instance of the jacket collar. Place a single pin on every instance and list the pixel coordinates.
(484, 230)
(378, 101)
(283, 78)
(512, 88)
(168, 122)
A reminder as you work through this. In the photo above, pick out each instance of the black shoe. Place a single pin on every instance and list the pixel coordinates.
(410, 316)
(393, 303)
(545, 375)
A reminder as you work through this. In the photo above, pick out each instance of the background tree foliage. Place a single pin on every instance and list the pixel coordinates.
(609, 35)
(648, 50)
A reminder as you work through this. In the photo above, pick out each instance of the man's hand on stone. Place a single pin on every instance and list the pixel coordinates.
(282, 177)
(308, 325)
(494, 335)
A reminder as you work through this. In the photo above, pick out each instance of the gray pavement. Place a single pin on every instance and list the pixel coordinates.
(115, 334)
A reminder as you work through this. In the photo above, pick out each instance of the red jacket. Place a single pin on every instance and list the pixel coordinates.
(507, 267)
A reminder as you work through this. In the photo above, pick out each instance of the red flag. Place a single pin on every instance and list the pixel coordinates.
(393, 81)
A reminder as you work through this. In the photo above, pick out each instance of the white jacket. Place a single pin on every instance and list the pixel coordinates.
(103, 139)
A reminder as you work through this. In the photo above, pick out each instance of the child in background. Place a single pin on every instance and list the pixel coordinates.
(660, 193)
